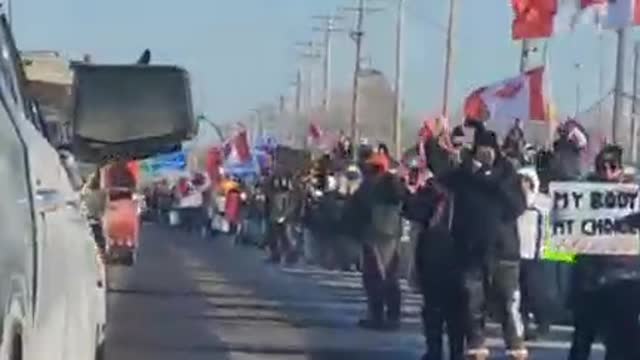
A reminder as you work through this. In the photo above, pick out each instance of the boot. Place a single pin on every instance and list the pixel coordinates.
(375, 318)
(519, 354)
(432, 323)
(481, 353)
(372, 324)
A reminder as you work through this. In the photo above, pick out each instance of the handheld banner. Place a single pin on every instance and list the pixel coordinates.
(584, 218)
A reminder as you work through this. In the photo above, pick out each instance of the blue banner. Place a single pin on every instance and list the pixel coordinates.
(176, 161)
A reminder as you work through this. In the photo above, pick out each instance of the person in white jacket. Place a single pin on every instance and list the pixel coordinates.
(531, 230)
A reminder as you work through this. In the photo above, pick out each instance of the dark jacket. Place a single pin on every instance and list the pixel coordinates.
(486, 209)
(565, 163)
(430, 207)
(384, 189)
(439, 160)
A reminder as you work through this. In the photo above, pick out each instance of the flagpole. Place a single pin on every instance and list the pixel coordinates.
(634, 106)
(619, 85)
(600, 75)
(448, 58)
(523, 55)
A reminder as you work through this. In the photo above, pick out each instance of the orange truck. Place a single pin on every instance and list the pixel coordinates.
(121, 218)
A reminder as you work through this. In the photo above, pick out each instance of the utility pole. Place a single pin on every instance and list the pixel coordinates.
(10, 13)
(578, 67)
(259, 125)
(634, 106)
(310, 56)
(619, 85)
(328, 30)
(397, 104)
(600, 76)
(448, 58)
(298, 91)
(358, 36)
(281, 105)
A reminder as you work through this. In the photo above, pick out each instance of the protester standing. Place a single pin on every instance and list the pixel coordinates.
(375, 210)
(437, 270)
(487, 200)
(605, 296)
(536, 297)
(280, 207)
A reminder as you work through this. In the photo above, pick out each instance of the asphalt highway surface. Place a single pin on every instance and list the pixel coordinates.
(189, 298)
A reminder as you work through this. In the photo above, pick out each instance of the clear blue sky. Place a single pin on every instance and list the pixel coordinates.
(240, 52)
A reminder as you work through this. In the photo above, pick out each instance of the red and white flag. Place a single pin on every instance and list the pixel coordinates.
(521, 97)
(545, 18)
(237, 148)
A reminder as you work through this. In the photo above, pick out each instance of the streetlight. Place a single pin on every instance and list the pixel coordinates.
(203, 119)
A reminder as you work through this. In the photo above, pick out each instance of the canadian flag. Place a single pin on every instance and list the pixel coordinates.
(520, 97)
(544, 18)
(237, 148)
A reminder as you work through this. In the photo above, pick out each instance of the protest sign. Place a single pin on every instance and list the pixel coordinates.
(584, 218)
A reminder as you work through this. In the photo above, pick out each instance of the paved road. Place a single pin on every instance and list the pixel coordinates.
(193, 299)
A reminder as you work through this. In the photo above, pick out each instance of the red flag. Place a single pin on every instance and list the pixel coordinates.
(533, 18)
(241, 145)
(314, 132)
(474, 107)
(214, 161)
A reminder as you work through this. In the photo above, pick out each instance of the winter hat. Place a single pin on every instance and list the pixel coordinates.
(609, 154)
(487, 138)
(458, 131)
(380, 161)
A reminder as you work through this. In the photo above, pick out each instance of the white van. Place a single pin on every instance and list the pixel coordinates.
(52, 296)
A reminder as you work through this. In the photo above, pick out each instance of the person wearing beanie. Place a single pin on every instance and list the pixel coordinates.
(488, 199)
(373, 213)
(605, 289)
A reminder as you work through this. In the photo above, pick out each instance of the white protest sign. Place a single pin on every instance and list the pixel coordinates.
(584, 218)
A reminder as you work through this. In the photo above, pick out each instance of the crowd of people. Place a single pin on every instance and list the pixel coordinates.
(475, 207)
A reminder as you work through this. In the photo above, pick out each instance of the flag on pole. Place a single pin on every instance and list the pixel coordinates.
(520, 97)
(533, 18)
(237, 148)
(545, 18)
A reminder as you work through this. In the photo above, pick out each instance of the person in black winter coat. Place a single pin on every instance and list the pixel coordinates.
(605, 289)
(437, 270)
(488, 199)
